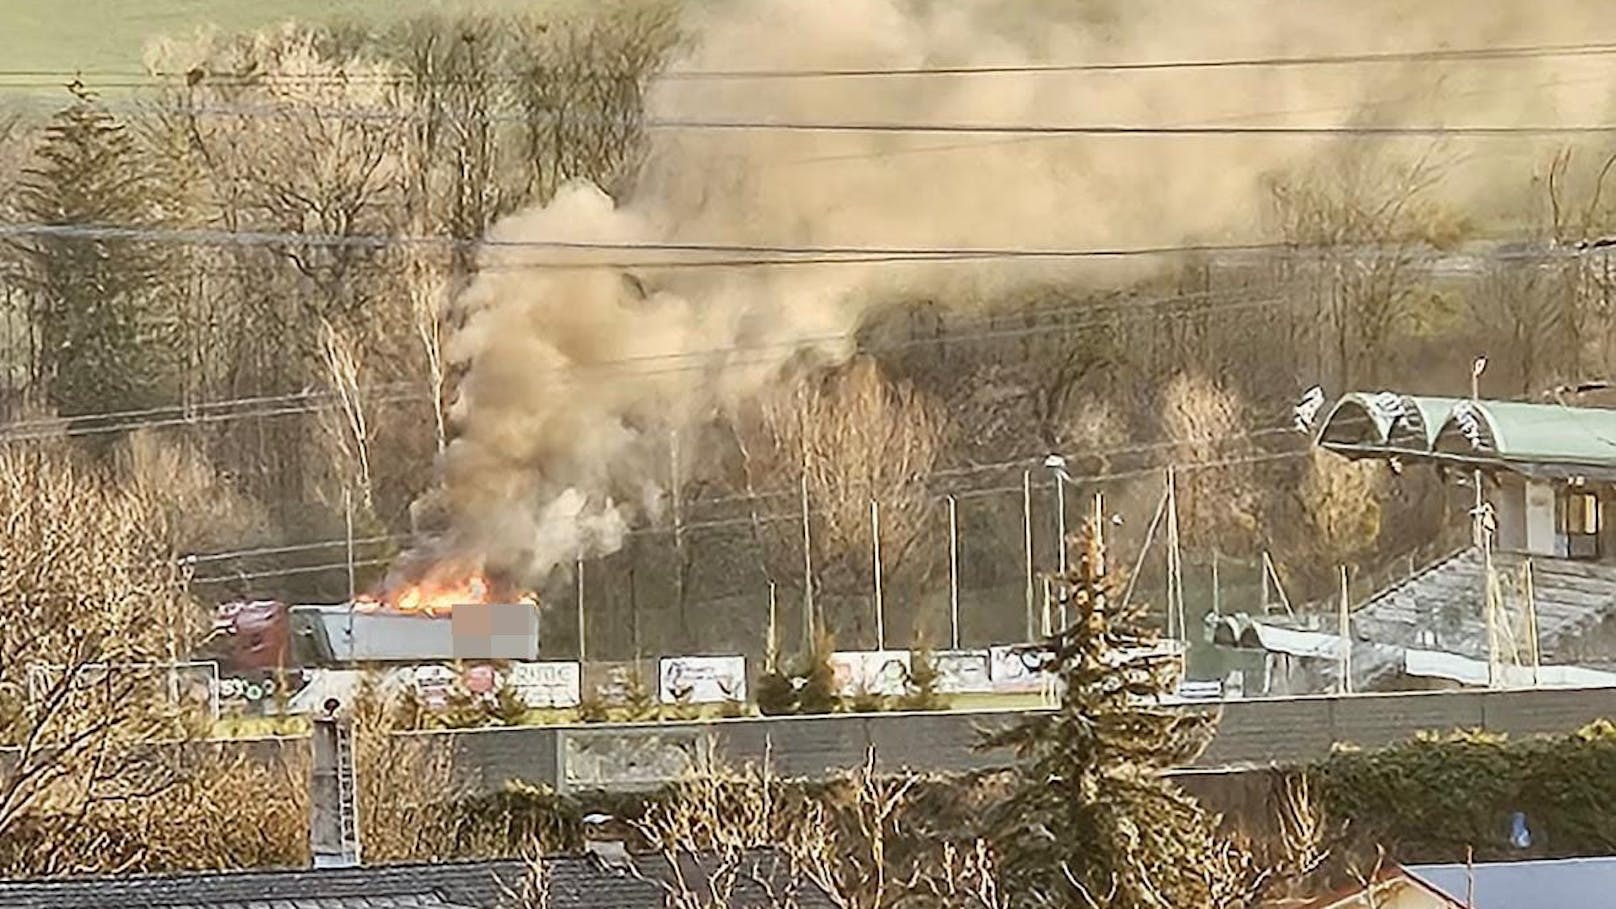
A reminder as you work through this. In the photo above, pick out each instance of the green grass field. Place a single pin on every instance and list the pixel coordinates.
(109, 36)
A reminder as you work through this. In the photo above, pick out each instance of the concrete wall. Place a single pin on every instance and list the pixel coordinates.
(1250, 733)
(1540, 525)
(1509, 511)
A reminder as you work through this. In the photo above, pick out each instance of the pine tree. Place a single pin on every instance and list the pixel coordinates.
(1091, 820)
(101, 346)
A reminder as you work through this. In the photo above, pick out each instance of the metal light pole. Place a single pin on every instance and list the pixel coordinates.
(1026, 528)
(953, 572)
(1057, 469)
(581, 651)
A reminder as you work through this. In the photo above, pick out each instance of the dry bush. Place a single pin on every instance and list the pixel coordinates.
(1342, 500)
(408, 795)
(87, 577)
(205, 806)
(1217, 496)
(867, 839)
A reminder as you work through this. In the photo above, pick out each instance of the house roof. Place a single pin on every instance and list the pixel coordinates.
(1548, 439)
(1379, 890)
(1579, 883)
(572, 882)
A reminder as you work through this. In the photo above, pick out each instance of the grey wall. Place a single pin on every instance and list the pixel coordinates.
(1250, 733)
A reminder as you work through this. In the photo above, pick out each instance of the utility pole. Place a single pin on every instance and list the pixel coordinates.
(1057, 469)
(680, 567)
(347, 529)
(1483, 539)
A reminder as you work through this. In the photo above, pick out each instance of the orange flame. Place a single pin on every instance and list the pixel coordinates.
(439, 591)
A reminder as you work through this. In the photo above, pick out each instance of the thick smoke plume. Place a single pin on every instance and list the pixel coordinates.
(579, 377)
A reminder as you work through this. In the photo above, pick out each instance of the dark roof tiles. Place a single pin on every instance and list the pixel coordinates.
(574, 882)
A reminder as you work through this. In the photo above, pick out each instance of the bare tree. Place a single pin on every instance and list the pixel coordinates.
(91, 595)
(351, 433)
(1579, 213)
(1517, 309)
(1366, 223)
(853, 438)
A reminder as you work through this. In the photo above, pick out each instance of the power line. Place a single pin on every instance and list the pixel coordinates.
(774, 517)
(185, 411)
(228, 554)
(741, 254)
(789, 254)
(1095, 130)
(756, 355)
(1431, 55)
(1105, 130)
(1253, 434)
(53, 430)
(181, 413)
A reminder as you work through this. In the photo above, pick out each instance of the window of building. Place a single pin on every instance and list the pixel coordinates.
(1581, 515)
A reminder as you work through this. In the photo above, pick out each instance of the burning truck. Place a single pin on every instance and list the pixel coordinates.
(265, 647)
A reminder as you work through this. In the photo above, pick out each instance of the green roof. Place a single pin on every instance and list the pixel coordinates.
(1373, 421)
(1531, 433)
(1516, 435)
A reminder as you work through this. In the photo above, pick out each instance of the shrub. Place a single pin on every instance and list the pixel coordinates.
(776, 695)
(816, 691)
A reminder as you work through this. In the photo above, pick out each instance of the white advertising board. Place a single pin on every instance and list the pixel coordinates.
(702, 680)
(871, 672)
(963, 671)
(550, 684)
(432, 683)
(1011, 670)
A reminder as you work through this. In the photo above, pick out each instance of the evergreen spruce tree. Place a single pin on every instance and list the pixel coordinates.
(101, 346)
(1091, 820)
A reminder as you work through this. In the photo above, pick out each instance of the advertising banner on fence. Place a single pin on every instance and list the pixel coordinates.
(702, 680)
(555, 684)
(1013, 670)
(871, 671)
(962, 671)
(619, 683)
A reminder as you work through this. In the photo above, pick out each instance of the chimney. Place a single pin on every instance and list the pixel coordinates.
(605, 839)
(333, 801)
